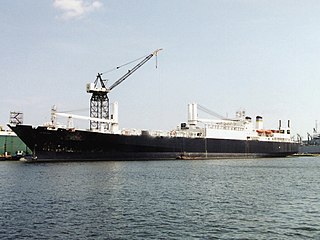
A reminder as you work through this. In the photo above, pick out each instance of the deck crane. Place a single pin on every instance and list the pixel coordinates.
(99, 102)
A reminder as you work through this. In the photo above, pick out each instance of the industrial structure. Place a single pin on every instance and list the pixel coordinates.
(99, 102)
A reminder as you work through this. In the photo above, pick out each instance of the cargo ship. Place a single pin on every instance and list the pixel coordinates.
(196, 138)
(11, 146)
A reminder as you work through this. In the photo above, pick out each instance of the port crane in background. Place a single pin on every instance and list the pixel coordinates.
(99, 102)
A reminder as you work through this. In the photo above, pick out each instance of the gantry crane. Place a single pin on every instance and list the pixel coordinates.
(99, 102)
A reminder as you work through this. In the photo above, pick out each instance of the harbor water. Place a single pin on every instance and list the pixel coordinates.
(211, 199)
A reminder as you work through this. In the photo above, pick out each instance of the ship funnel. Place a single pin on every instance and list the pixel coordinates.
(288, 123)
(53, 116)
(259, 122)
(115, 117)
(248, 119)
(192, 113)
(115, 112)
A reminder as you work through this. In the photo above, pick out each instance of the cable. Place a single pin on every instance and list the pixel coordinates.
(206, 110)
(116, 68)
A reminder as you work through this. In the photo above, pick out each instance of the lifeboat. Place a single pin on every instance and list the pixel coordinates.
(264, 132)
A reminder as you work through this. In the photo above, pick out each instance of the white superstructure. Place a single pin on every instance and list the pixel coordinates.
(240, 128)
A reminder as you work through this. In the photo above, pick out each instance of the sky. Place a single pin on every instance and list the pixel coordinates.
(261, 56)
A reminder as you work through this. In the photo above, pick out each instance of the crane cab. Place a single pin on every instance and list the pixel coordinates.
(90, 87)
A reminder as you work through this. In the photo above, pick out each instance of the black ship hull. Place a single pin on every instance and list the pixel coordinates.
(62, 144)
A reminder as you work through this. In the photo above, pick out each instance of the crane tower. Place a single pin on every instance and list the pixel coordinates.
(99, 102)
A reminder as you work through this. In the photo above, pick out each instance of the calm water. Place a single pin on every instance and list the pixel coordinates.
(216, 199)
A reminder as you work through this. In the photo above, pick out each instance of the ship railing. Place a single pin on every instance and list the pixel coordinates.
(226, 127)
(283, 139)
(188, 134)
(159, 133)
(275, 139)
(226, 124)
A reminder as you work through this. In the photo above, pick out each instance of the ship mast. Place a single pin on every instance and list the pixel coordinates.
(99, 102)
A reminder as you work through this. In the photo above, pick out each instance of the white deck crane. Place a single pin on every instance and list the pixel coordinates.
(99, 102)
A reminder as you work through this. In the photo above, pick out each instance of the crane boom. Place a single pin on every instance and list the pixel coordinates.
(124, 77)
(99, 102)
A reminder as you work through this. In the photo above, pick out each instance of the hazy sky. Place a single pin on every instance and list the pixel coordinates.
(258, 55)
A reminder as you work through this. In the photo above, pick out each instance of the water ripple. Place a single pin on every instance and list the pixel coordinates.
(221, 199)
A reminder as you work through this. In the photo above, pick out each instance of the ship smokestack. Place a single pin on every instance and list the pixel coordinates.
(279, 124)
(115, 112)
(288, 123)
(192, 113)
(259, 122)
(248, 119)
(115, 117)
